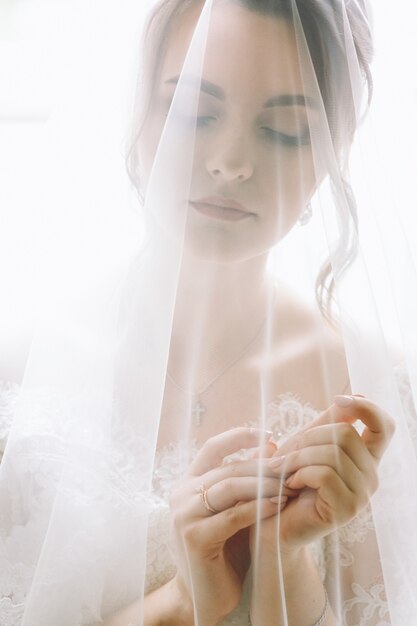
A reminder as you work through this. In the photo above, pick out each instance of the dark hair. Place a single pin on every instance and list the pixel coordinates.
(325, 24)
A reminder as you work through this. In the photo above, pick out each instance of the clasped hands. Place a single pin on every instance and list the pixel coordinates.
(317, 481)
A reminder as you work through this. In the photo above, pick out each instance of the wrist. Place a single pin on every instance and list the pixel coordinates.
(270, 572)
(294, 576)
(287, 558)
(182, 609)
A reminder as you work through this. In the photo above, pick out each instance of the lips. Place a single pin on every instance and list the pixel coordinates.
(221, 208)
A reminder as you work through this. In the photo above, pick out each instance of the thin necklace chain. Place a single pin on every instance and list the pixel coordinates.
(198, 408)
(224, 369)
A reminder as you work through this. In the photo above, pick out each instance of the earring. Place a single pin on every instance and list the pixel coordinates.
(306, 215)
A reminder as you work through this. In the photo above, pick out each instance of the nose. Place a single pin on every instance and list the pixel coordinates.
(230, 159)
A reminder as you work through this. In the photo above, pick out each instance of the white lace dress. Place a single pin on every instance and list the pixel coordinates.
(363, 602)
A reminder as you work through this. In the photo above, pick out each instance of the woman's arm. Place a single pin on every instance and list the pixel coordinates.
(301, 600)
(335, 471)
(166, 606)
(212, 504)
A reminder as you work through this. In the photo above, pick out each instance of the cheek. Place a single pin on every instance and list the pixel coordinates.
(286, 186)
(287, 178)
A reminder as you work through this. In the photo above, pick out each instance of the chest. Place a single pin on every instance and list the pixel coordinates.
(242, 397)
(302, 367)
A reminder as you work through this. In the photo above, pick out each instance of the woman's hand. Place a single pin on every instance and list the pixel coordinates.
(334, 469)
(212, 545)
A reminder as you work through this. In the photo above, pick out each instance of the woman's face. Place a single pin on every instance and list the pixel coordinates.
(253, 169)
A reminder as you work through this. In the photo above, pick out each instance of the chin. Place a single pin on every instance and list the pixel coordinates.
(219, 256)
(221, 249)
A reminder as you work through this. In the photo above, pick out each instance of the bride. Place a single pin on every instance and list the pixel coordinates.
(254, 172)
(259, 511)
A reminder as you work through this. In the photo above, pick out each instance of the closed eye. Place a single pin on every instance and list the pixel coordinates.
(204, 120)
(287, 140)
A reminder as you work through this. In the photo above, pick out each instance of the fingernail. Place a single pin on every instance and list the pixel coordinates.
(279, 499)
(343, 401)
(288, 482)
(276, 462)
(272, 442)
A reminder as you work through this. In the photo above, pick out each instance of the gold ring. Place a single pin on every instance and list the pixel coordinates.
(203, 495)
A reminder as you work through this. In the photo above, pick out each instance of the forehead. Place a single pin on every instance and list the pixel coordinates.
(246, 52)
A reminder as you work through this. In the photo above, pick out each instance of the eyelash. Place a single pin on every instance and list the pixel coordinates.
(288, 140)
(204, 121)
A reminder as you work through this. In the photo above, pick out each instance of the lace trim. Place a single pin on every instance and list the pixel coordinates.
(285, 415)
(288, 413)
(367, 605)
(407, 401)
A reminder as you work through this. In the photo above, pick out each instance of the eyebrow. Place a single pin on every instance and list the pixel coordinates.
(205, 86)
(290, 100)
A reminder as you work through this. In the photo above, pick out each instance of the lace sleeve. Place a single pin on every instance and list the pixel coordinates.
(364, 601)
(8, 398)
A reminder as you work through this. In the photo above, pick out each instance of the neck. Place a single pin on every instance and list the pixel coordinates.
(219, 311)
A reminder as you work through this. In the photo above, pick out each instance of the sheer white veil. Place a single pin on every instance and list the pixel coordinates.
(119, 218)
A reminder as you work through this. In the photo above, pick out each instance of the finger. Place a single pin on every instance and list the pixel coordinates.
(205, 502)
(251, 467)
(219, 528)
(182, 498)
(345, 436)
(335, 503)
(227, 493)
(380, 425)
(216, 448)
(329, 455)
(264, 452)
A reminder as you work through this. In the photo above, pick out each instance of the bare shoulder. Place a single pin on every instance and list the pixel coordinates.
(310, 358)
